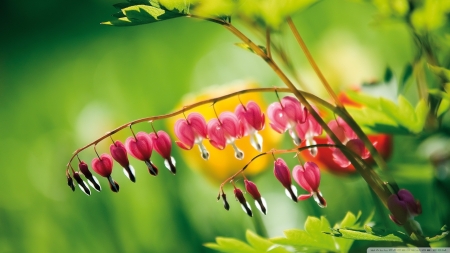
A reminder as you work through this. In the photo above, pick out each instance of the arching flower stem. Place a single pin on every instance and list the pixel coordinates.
(307, 95)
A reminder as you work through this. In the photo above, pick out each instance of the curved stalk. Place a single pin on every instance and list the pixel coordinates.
(208, 101)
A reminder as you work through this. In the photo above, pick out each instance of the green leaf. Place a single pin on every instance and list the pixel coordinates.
(230, 245)
(316, 229)
(407, 72)
(437, 237)
(441, 72)
(380, 235)
(257, 242)
(139, 12)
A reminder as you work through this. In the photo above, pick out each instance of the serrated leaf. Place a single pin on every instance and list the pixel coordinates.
(144, 12)
(315, 229)
(437, 237)
(233, 245)
(257, 242)
(441, 72)
(421, 113)
(363, 99)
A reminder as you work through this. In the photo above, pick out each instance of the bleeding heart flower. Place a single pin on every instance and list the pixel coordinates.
(253, 191)
(283, 174)
(119, 153)
(403, 207)
(285, 115)
(163, 145)
(244, 204)
(141, 147)
(349, 138)
(190, 131)
(225, 130)
(251, 120)
(103, 165)
(93, 181)
(83, 186)
(308, 177)
(308, 130)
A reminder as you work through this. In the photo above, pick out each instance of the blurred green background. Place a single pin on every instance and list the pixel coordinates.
(65, 80)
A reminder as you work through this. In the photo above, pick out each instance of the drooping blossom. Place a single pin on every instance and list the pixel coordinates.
(253, 191)
(225, 202)
(348, 138)
(141, 147)
(225, 130)
(103, 165)
(70, 181)
(244, 204)
(190, 131)
(403, 207)
(285, 115)
(83, 186)
(283, 174)
(163, 145)
(92, 180)
(251, 120)
(308, 177)
(119, 153)
(308, 130)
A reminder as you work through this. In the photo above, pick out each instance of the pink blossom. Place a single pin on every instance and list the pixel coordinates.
(192, 131)
(251, 120)
(141, 147)
(308, 130)
(403, 207)
(285, 115)
(119, 153)
(349, 138)
(283, 174)
(225, 130)
(103, 165)
(253, 191)
(308, 177)
(163, 145)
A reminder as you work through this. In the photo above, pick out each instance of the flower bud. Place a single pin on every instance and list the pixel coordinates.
(83, 186)
(225, 202)
(253, 191)
(92, 180)
(244, 204)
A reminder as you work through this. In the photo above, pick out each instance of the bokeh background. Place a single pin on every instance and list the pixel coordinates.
(65, 80)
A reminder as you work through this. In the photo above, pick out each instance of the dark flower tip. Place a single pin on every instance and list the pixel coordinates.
(152, 169)
(70, 182)
(113, 185)
(225, 202)
(83, 186)
(240, 197)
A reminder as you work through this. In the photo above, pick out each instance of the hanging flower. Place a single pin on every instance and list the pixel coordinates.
(283, 174)
(349, 138)
(285, 115)
(92, 180)
(103, 166)
(403, 207)
(163, 145)
(244, 204)
(190, 131)
(308, 177)
(83, 186)
(253, 191)
(225, 130)
(141, 147)
(252, 120)
(308, 130)
(119, 153)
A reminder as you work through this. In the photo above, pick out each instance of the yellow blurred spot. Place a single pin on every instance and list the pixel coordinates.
(222, 163)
